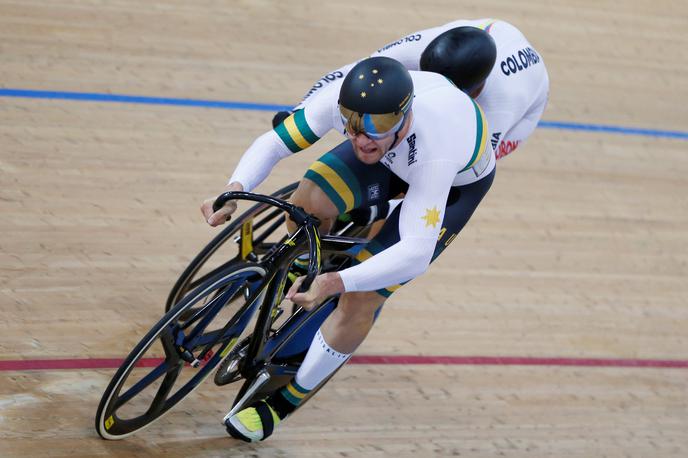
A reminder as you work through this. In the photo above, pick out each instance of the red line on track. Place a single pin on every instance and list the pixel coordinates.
(519, 361)
(112, 363)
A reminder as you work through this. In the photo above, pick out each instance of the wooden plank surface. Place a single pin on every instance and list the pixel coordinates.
(579, 250)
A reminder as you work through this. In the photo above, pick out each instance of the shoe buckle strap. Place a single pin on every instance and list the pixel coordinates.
(265, 418)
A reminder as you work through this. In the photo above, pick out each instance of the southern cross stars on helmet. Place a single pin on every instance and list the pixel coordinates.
(364, 94)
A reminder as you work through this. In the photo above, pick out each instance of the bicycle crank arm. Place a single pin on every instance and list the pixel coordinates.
(261, 379)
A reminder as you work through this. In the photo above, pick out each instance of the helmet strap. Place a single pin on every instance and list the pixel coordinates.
(401, 127)
(396, 139)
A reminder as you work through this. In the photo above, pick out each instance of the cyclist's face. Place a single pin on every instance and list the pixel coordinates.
(370, 151)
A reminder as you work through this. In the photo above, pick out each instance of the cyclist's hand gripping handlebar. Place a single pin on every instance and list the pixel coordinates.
(306, 221)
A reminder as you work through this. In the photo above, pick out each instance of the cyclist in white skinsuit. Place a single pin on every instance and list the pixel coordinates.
(443, 120)
(514, 95)
(433, 146)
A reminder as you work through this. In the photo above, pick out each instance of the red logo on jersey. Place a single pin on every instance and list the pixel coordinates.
(507, 147)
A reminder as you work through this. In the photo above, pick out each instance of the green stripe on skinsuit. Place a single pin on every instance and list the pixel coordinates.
(304, 128)
(327, 189)
(286, 138)
(478, 136)
(346, 175)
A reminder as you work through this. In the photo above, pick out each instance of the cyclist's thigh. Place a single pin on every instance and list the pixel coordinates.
(461, 203)
(348, 182)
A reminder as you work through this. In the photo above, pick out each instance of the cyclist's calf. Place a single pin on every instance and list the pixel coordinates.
(349, 324)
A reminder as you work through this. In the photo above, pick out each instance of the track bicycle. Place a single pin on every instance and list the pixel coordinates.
(252, 235)
(230, 317)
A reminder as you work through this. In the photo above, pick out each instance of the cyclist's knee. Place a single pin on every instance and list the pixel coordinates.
(313, 199)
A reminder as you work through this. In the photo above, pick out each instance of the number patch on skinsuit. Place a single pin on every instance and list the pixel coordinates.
(482, 164)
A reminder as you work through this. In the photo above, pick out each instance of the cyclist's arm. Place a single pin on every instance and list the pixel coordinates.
(420, 223)
(406, 50)
(297, 132)
(323, 83)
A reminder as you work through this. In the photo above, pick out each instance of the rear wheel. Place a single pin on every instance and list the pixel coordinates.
(177, 355)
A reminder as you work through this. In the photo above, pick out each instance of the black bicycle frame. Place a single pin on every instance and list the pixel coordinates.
(277, 263)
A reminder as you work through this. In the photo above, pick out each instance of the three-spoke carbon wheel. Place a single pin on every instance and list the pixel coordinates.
(178, 354)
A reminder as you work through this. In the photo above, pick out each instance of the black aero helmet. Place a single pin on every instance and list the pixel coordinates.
(375, 97)
(465, 55)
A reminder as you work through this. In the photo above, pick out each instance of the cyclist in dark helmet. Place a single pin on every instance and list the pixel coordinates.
(465, 55)
(411, 133)
(374, 100)
(488, 59)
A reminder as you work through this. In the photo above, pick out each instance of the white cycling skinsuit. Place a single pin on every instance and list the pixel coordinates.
(515, 92)
(446, 146)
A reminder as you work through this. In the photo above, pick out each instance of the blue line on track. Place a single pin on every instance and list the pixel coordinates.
(230, 105)
(94, 97)
(613, 129)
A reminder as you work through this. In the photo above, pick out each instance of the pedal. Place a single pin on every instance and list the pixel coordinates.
(197, 362)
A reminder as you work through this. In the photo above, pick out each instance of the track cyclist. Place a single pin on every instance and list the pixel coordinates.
(408, 132)
(512, 87)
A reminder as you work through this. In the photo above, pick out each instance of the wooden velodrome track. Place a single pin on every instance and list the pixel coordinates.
(579, 251)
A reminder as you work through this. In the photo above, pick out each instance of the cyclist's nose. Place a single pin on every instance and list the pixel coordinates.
(361, 140)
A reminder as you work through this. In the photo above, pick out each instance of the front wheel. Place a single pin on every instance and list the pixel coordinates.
(260, 221)
(178, 354)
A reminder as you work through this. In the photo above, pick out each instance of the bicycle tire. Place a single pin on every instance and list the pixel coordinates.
(187, 280)
(224, 288)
